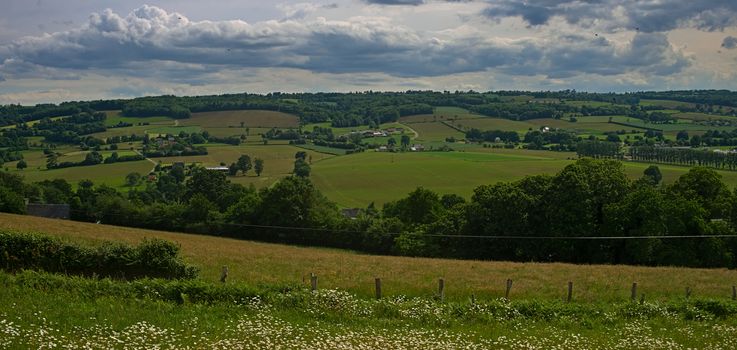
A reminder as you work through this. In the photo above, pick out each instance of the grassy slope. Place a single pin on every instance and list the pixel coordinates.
(254, 263)
(357, 180)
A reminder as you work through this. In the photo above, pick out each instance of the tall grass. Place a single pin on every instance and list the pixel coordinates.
(252, 263)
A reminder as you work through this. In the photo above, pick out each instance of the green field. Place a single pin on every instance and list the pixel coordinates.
(671, 130)
(357, 180)
(432, 132)
(440, 114)
(696, 116)
(115, 117)
(278, 160)
(488, 123)
(109, 174)
(172, 130)
(665, 103)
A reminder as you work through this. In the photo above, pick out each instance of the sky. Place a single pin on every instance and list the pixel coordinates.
(54, 51)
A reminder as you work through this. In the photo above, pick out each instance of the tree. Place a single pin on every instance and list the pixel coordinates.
(199, 208)
(705, 186)
(294, 201)
(51, 161)
(244, 163)
(177, 171)
(21, 164)
(301, 155)
(12, 189)
(301, 168)
(112, 159)
(695, 141)
(133, 179)
(212, 184)
(653, 174)
(391, 142)
(682, 135)
(233, 169)
(92, 158)
(258, 166)
(405, 141)
(421, 206)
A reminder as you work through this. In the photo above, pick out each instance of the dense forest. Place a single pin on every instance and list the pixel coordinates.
(566, 217)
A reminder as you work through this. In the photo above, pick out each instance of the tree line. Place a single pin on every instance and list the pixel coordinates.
(502, 221)
(685, 156)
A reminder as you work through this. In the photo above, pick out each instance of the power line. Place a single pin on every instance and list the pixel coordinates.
(438, 235)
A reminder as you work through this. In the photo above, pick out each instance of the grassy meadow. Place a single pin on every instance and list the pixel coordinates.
(273, 264)
(378, 177)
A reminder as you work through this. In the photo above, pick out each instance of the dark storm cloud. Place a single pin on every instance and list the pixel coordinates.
(729, 42)
(170, 47)
(646, 16)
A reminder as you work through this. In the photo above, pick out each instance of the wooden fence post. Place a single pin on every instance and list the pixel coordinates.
(473, 299)
(313, 281)
(441, 289)
(688, 292)
(378, 287)
(633, 295)
(509, 287)
(734, 292)
(224, 274)
(570, 291)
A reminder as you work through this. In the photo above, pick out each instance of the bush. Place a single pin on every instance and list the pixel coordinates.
(152, 258)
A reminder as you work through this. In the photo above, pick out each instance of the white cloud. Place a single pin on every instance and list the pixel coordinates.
(151, 37)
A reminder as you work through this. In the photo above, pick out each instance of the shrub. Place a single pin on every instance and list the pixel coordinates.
(152, 258)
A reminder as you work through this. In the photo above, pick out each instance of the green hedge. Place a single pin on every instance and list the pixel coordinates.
(151, 258)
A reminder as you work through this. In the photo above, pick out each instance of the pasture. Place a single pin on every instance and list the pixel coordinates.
(357, 180)
(432, 132)
(115, 117)
(440, 114)
(278, 160)
(249, 118)
(696, 116)
(594, 125)
(109, 174)
(172, 130)
(489, 123)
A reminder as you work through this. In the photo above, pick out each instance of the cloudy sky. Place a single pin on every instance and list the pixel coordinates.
(52, 51)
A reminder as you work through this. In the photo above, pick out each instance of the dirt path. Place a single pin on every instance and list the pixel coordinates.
(148, 159)
(412, 130)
